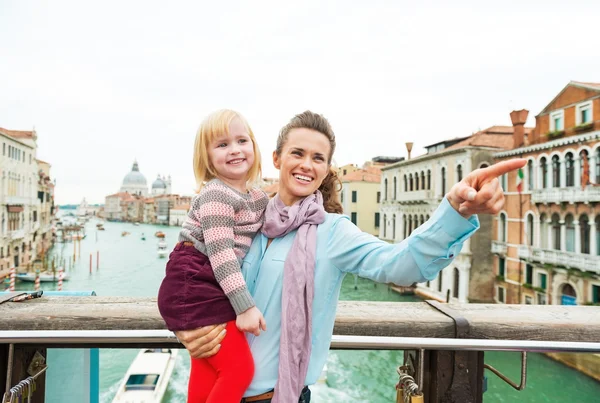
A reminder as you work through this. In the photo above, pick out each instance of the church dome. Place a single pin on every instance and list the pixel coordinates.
(135, 177)
(159, 183)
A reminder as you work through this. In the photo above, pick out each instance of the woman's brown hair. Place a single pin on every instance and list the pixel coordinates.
(331, 184)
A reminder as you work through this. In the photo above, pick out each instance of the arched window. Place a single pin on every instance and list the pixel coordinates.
(484, 165)
(544, 172)
(404, 227)
(584, 168)
(415, 222)
(456, 283)
(395, 188)
(423, 180)
(570, 233)
(597, 221)
(544, 232)
(410, 182)
(584, 230)
(555, 231)
(555, 171)
(570, 170)
(394, 226)
(529, 229)
(384, 225)
(416, 181)
(530, 183)
(502, 228)
(428, 179)
(385, 192)
(443, 179)
(440, 276)
(597, 165)
(459, 173)
(405, 184)
(421, 220)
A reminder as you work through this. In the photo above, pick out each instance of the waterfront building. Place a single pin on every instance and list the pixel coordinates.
(135, 182)
(178, 214)
(360, 195)
(26, 201)
(112, 206)
(412, 189)
(149, 211)
(43, 238)
(161, 186)
(547, 238)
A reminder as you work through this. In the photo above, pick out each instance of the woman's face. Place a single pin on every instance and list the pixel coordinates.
(303, 164)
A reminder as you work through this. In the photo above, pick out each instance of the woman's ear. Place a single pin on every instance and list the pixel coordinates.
(276, 163)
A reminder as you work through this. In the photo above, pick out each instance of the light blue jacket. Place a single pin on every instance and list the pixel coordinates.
(342, 248)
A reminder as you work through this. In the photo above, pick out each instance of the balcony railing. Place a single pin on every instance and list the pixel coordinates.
(581, 261)
(17, 200)
(416, 196)
(499, 247)
(570, 194)
(18, 234)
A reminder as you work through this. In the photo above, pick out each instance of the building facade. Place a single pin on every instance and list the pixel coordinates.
(26, 201)
(411, 190)
(547, 239)
(360, 196)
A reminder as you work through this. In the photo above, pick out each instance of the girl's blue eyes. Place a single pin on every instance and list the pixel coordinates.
(241, 141)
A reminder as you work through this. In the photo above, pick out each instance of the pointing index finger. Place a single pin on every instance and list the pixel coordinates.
(502, 167)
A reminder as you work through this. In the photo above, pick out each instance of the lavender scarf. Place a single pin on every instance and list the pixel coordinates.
(298, 288)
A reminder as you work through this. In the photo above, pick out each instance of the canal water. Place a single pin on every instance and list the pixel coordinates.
(130, 266)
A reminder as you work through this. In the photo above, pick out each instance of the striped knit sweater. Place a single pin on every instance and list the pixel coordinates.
(222, 223)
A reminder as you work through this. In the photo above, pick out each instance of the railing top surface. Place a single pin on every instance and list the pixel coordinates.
(359, 318)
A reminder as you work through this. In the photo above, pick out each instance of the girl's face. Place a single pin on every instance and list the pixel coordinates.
(303, 164)
(232, 155)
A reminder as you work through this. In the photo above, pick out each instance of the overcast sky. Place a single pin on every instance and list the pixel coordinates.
(114, 81)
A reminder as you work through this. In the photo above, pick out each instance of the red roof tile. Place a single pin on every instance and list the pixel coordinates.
(18, 134)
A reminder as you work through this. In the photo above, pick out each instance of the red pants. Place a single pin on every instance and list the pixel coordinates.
(224, 377)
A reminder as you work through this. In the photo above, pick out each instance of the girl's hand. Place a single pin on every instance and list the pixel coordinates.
(480, 191)
(203, 342)
(251, 321)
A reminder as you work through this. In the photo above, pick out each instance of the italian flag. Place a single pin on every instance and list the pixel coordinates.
(520, 180)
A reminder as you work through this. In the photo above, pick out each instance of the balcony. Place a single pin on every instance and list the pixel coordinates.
(18, 234)
(570, 194)
(581, 261)
(499, 247)
(414, 197)
(17, 200)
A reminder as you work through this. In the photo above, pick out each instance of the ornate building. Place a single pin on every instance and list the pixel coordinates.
(135, 182)
(547, 238)
(161, 186)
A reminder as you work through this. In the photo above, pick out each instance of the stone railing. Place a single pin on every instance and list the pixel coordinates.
(581, 261)
(568, 195)
(499, 247)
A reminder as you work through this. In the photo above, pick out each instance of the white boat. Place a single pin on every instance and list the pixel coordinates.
(45, 276)
(148, 375)
(162, 249)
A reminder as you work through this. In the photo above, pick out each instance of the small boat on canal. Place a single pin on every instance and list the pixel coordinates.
(45, 277)
(162, 249)
(148, 375)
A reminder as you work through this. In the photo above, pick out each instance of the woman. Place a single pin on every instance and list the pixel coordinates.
(296, 280)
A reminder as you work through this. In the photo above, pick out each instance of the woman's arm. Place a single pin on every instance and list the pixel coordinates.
(420, 257)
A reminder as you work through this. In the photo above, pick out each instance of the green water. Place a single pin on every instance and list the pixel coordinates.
(130, 266)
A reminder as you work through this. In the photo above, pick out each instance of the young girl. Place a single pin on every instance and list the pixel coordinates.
(203, 283)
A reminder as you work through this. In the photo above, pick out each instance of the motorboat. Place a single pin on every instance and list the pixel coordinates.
(148, 376)
(162, 249)
(45, 276)
(143, 237)
(159, 234)
(125, 233)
